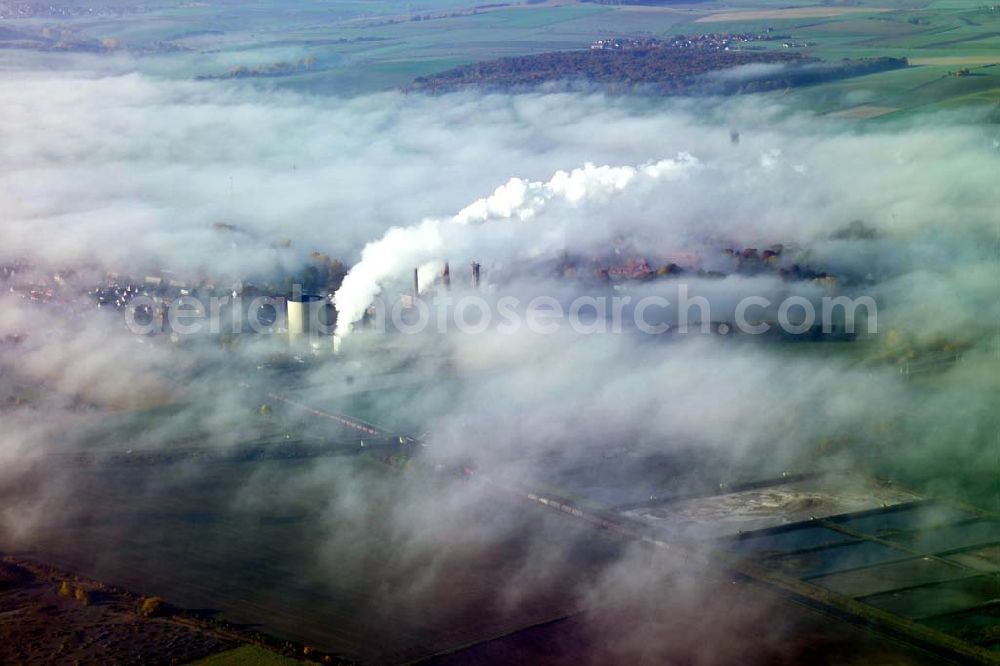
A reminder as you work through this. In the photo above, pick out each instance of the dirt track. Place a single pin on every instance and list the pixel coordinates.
(789, 13)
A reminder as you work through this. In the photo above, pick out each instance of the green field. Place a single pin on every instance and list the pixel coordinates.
(370, 46)
(248, 655)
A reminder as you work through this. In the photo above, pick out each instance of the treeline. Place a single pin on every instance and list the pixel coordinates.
(283, 68)
(653, 70)
(804, 74)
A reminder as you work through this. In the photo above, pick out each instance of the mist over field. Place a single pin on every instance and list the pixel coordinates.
(133, 174)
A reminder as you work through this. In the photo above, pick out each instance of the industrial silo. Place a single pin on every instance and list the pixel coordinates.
(304, 316)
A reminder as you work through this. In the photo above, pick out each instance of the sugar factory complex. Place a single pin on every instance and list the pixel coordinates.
(865, 551)
(302, 306)
(845, 543)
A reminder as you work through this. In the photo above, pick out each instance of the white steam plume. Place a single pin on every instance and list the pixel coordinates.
(519, 199)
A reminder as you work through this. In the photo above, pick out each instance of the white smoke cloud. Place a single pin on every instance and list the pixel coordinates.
(518, 199)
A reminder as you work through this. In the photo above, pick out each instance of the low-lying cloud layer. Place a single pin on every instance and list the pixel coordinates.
(131, 174)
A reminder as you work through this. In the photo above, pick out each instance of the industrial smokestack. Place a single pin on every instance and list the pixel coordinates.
(446, 277)
(475, 275)
(416, 284)
(160, 316)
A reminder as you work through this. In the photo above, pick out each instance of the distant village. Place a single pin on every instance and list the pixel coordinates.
(712, 41)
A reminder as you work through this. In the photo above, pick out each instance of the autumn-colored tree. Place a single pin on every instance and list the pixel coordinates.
(151, 607)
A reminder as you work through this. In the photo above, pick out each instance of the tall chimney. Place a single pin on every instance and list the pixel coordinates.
(416, 284)
(475, 275)
(446, 277)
